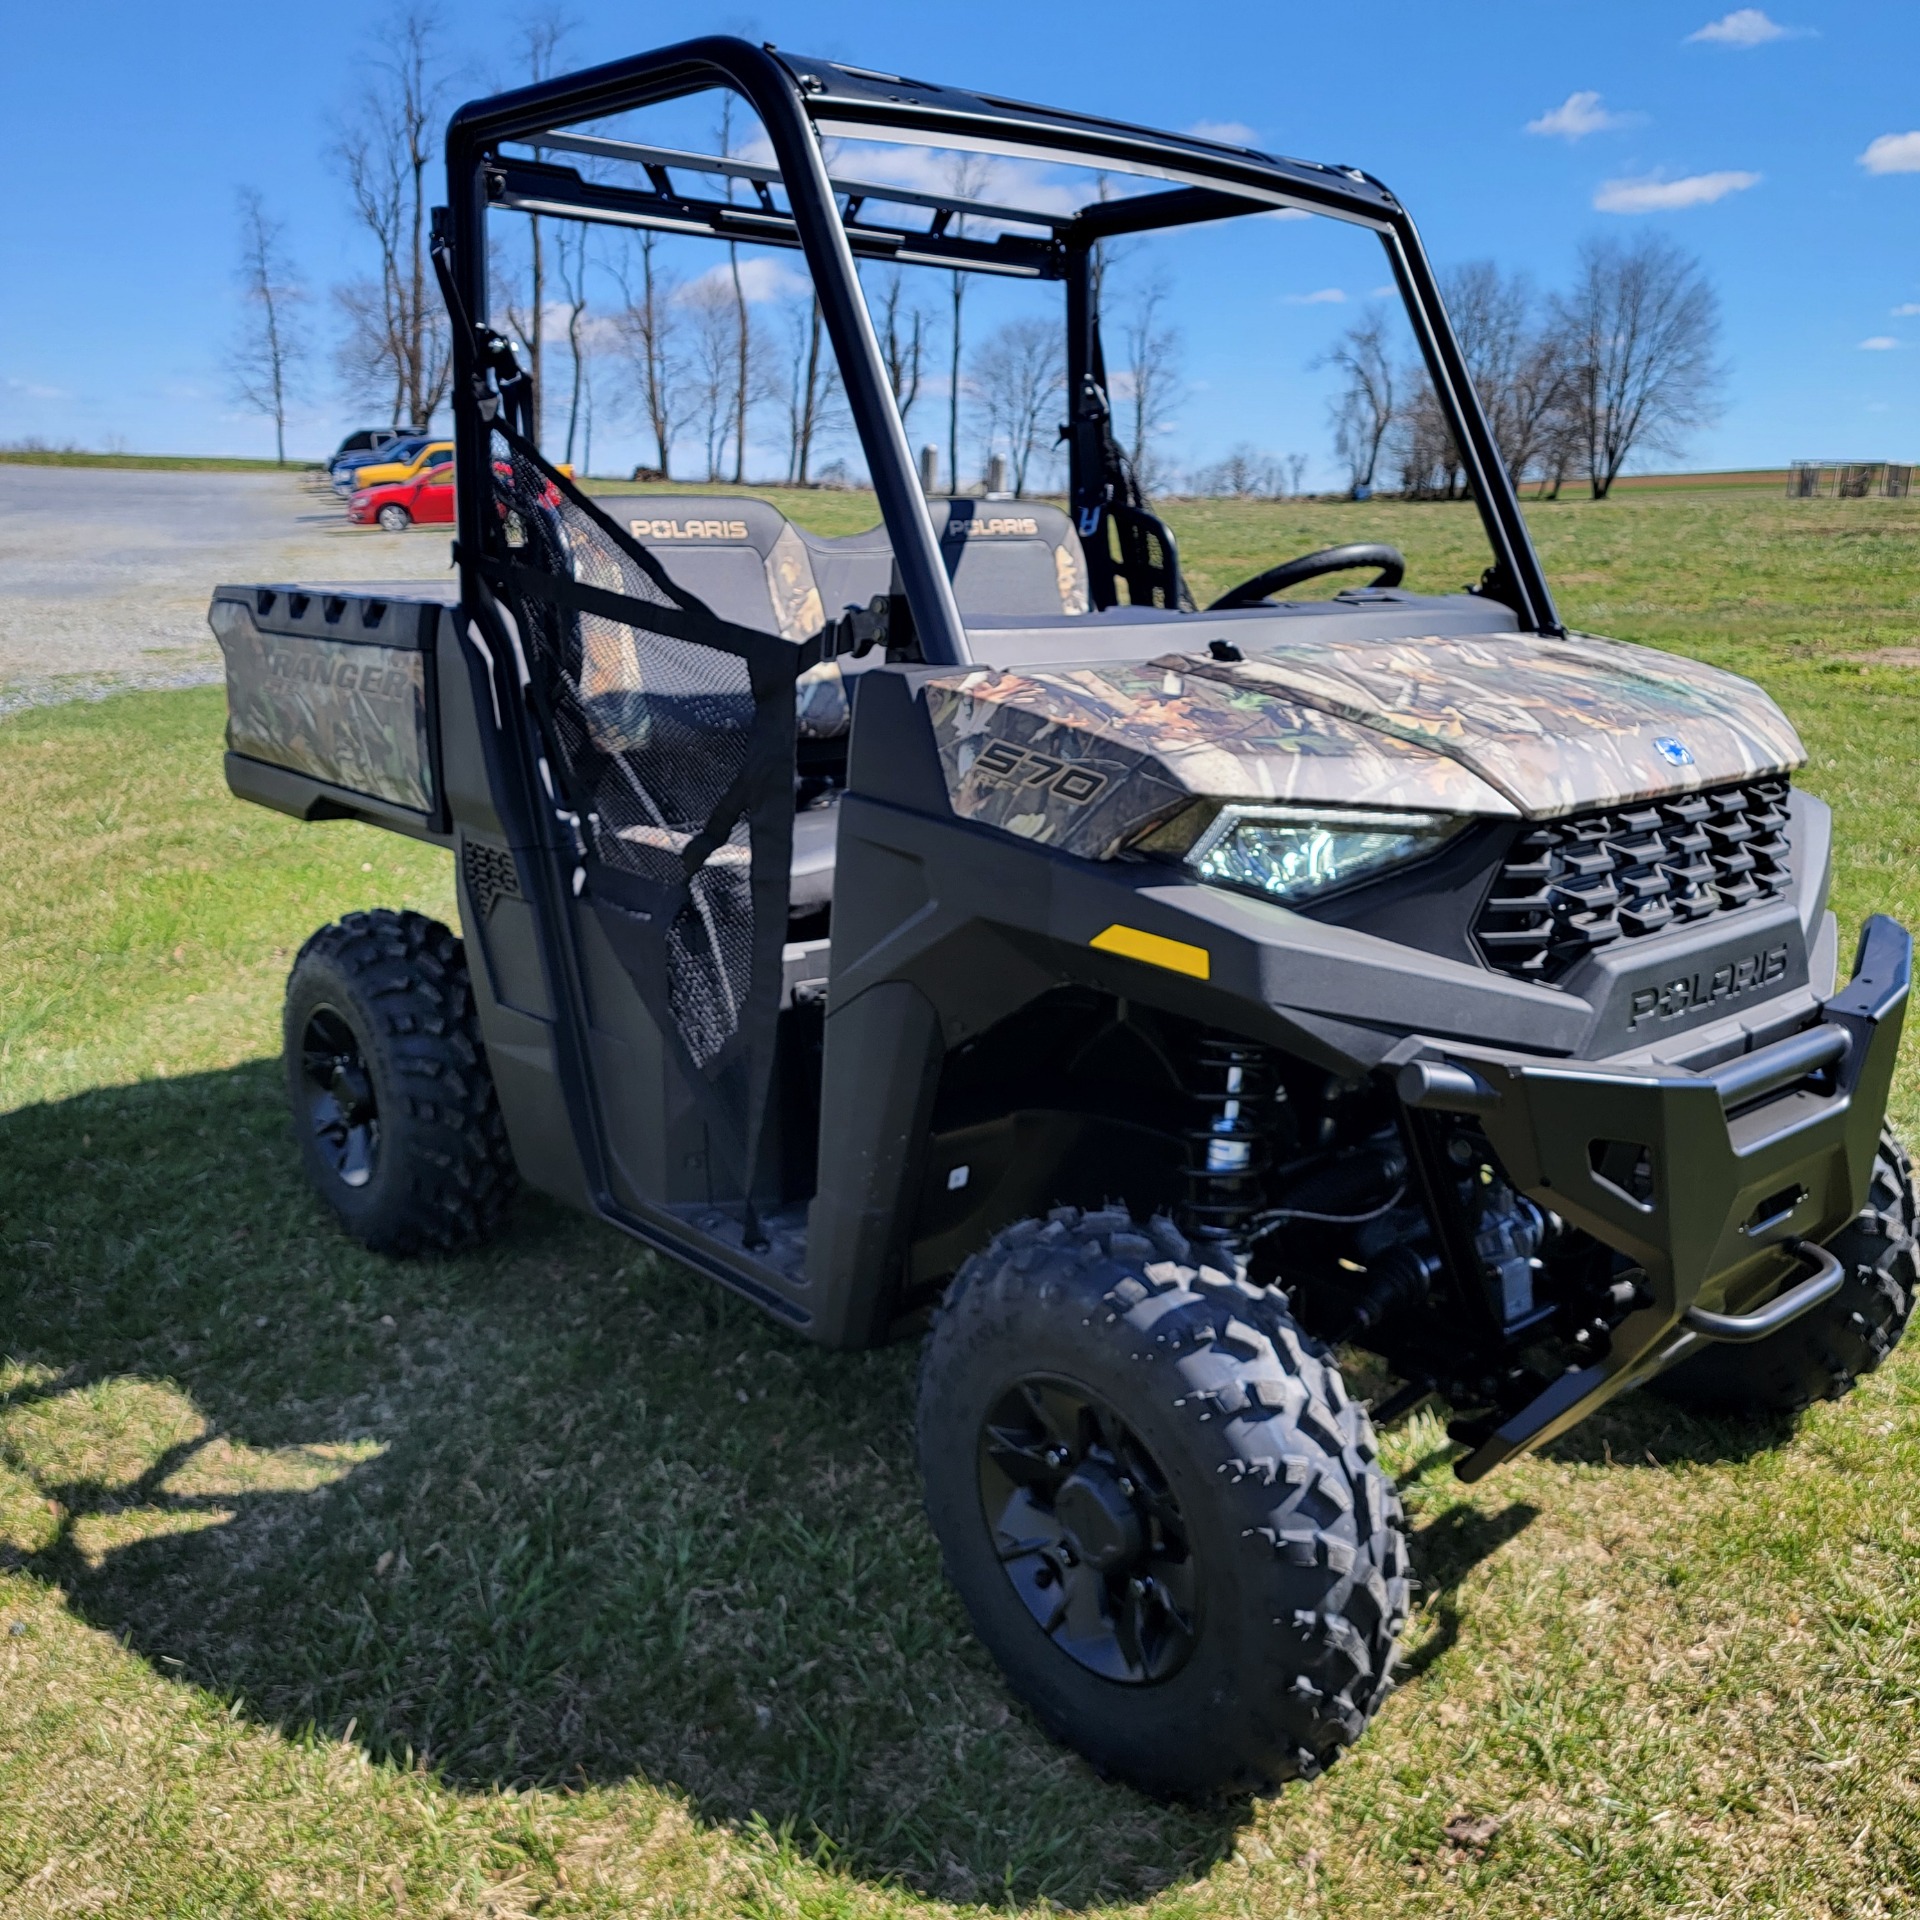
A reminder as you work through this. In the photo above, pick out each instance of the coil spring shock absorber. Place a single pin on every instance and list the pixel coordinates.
(1228, 1151)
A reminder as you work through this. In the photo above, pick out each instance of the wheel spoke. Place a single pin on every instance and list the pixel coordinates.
(1087, 1530)
(1020, 1457)
(1059, 1422)
(1024, 1527)
(1083, 1611)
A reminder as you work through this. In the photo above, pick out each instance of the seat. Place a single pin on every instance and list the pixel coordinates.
(743, 558)
(1016, 559)
(746, 561)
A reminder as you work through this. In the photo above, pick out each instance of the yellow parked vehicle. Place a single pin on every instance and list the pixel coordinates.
(433, 453)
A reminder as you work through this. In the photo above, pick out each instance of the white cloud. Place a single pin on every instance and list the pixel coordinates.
(1227, 133)
(1326, 297)
(761, 280)
(34, 390)
(1651, 194)
(1284, 213)
(1578, 115)
(1006, 183)
(1906, 309)
(1893, 153)
(1879, 343)
(1745, 27)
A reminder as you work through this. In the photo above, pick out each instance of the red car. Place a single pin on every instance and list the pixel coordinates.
(427, 499)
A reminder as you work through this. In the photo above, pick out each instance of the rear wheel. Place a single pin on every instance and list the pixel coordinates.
(393, 1106)
(1163, 1513)
(394, 518)
(1820, 1355)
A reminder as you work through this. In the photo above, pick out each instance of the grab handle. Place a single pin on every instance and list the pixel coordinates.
(1822, 1284)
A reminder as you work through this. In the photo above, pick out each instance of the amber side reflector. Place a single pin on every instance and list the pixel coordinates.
(1177, 956)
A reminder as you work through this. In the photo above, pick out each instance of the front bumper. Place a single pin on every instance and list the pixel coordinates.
(1735, 1167)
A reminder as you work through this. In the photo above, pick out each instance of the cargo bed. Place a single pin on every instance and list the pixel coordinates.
(332, 701)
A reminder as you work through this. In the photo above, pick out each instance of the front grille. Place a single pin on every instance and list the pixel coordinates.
(1570, 887)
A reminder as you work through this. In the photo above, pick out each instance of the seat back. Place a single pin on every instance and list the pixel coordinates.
(1016, 558)
(743, 558)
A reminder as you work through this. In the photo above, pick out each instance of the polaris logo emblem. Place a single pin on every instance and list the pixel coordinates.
(1673, 752)
(1672, 998)
(688, 529)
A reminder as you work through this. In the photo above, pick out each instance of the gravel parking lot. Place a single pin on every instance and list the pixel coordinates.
(105, 573)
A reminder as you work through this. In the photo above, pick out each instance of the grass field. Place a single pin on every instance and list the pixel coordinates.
(144, 462)
(551, 1580)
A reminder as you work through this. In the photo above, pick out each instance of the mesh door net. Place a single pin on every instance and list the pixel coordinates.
(670, 732)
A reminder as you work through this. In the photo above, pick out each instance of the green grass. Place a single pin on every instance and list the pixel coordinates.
(553, 1580)
(147, 462)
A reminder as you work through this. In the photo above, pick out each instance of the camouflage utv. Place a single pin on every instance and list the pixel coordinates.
(953, 931)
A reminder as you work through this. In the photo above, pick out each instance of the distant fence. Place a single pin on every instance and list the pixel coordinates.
(1848, 480)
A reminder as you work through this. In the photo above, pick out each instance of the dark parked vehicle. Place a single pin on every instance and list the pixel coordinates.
(952, 928)
(368, 447)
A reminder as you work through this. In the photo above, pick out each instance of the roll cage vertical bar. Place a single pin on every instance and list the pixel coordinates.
(1516, 577)
(770, 88)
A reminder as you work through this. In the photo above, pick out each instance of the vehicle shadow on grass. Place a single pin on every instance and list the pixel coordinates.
(557, 1512)
(1643, 1430)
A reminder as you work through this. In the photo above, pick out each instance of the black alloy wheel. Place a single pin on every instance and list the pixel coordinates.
(1088, 1531)
(1164, 1514)
(341, 1108)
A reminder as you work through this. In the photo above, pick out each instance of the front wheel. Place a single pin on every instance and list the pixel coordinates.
(1166, 1518)
(394, 518)
(1820, 1355)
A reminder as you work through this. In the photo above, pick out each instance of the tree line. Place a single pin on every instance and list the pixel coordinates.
(1623, 361)
(704, 367)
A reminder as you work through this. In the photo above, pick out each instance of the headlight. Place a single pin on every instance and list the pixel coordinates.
(1297, 853)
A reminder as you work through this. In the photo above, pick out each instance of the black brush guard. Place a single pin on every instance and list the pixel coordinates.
(1733, 1167)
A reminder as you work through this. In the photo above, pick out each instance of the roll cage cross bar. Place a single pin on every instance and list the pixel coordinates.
(833, 221)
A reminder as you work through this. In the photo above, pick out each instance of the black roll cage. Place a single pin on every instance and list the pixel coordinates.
(833, 222)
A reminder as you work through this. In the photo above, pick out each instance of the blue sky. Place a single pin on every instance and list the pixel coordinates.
(1782, 146)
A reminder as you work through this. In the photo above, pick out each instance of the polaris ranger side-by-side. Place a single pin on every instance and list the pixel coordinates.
(955, 923)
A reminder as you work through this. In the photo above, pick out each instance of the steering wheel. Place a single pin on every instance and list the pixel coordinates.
(1310, 566)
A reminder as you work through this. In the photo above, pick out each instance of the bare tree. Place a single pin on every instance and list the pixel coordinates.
(1020, 374)
(966, 178)
(812, 388)
(1244, 474)
(269, 351)
(1642, 325)
(396, 337)
(1151, 378)
(540, 42)
(902, 326)
(572, 250)
(650, 326)
(1364, 410)
(713, 358)
(743, 329)
(1521, 371)
(1421, 442)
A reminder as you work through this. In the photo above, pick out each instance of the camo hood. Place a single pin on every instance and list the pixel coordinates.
(1089, 759)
